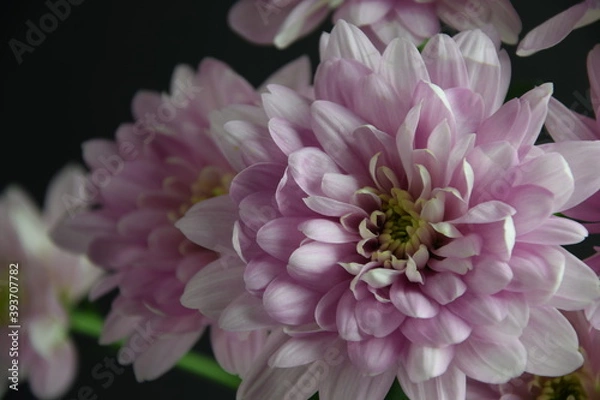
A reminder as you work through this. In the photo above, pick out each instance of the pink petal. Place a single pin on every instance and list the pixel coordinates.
(564, 124)
(245, 313)
(490, 356)
(280, 237)
(347, 41)
(376, 318)
(236, 351)
(579, 287)
(449, 386)
(444, 287)
(556, 230)
(307, 167)
(161, 355)
(347, 382)
(579, 156)
(552, 31)
(295, 75)
(442, 330)
(488, 276)
(213, 288)
(317, 264)
(401, 55)
(445, 63)
(51, 378)
(410, 301)
(375, 356)
(326, 311)
(290, 303)
(551, 343)
(302, 350)
(423, 363)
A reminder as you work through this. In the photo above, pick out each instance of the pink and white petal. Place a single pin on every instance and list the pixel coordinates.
(361, 13)
(347, 41)
(403, 67)
(308, 166)
(424, 363)
(326, 310)
(564, 124)
(213, 288)
(555, 230)
(236, 351)
(444, 287)
(483, 65)
(161, 355)
(245, 313)
(285, 103)
(579, 287)
(445, 63)
(551, 343)
(280, 237)
(302, 350)
(479, 310)
(579, 155)
(316, 264)
(264, 382)
(449, 386)
(346, 320)
(377, 318)
(50, 378)
(442, 330)
(345, 381)
(375, 356)
(411, 301)
(255, 21)
(290, 303)
(303, 18)
(491, 356)
(552, 31)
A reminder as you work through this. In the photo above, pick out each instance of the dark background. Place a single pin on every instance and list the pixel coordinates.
(78, 84)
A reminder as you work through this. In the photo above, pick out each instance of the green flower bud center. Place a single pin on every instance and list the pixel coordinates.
(566, 387)
(211, 182)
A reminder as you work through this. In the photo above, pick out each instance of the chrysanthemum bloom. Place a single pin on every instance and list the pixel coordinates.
(583, 384)
(282, 22)
(402, 225)
(138, 187)
(39, 283)
(565, 125)
(554, 30)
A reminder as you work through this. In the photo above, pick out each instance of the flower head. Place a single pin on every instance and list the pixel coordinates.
(283, 22)
(139, 186)
(402, 225)
(44, 282)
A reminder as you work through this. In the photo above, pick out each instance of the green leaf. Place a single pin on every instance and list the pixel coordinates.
(396, 393)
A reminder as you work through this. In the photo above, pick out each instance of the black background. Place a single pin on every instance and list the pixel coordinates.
(78, 84)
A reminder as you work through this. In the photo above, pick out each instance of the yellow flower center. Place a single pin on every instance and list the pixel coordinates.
(211, 182)
(566, 387)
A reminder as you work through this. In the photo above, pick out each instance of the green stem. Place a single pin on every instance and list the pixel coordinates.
(90, 324)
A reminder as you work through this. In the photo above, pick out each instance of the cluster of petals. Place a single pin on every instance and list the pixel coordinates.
(557, 28)
(282, 22)
(401, 224)
(565, 125)
(138, 187)
(584, 383)
(46, 281)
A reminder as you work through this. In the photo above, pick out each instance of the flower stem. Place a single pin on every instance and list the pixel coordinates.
(90, 324)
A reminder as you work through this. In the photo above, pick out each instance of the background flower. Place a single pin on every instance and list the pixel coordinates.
(282, 22)
(50, 281)
(557, 28)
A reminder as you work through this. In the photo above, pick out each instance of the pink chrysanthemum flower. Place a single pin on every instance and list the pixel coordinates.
(138, 187)
(401, 225)
(554, 30)
(282, 22)
(583, 384)
(39, 282)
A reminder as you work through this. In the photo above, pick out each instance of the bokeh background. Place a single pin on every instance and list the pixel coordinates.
(78, 84)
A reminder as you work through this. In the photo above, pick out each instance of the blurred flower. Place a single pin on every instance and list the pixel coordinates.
(282, 22)
(583, 383)
(49, 282)
(137, 189)
(401, 225)
(554, 30)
